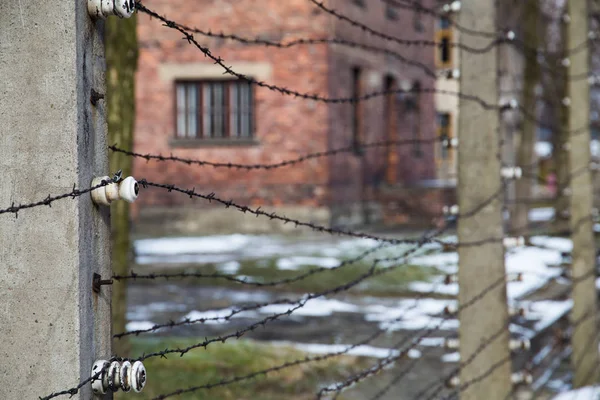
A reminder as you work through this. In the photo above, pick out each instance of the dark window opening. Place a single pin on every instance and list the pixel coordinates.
(444, 133)
(445, 50)
(214, 109)
(356, 111)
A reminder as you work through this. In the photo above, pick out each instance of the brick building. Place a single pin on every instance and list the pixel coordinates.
(187, 106)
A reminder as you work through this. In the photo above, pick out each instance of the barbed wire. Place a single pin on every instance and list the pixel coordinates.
(376, 334)
(74, 193)
(275, 165)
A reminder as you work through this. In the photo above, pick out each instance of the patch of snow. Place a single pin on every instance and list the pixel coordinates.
(451, 357)
(585, 393)
(221, 314)
(182, 259)
(450, 289)
(139, 325)
(360, 351)
(147, 311)
(543, 149)
(432, 341)
(546, 312)
(229, 267)
(313, 308)
(541, 214)
(191, 245)
(446, 262)
(412, 314)
(294, 263)
(556, 243)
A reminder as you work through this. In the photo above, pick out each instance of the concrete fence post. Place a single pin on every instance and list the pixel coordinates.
(52, 325)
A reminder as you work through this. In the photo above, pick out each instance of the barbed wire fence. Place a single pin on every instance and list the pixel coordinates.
(536, 355)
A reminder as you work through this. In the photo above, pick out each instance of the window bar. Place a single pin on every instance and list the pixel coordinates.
(226, 119)
(191, 110)
(180, 112)
(200, 131)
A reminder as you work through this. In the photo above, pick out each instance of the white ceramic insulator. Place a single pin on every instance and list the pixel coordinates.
(104, 195)
(450, 210)
(510, 35)
(100, 383)
(566, 101)
(129, 189)
(102, 9)
(511, 172)
(519, 344)
(514, 241)
(454, 381)
(113, 376)
(521, 377)
(565, 62)
(126, 376)
(452, 343)
(455, 6)
(138, 376)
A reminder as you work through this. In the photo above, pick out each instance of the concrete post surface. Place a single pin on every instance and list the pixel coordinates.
(52, 326)
(483, 328)
(584, 314)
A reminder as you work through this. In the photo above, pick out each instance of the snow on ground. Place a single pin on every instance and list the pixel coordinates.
(221, 314)
(535, 265)
(412, 314)
(237, 247)
(360, 351)
(313, 308)
(294, 263)
(546, 312)
(139, 325)
(291, 253)
(229, 267)
(586, 393)
(451, 357)
(541, 214)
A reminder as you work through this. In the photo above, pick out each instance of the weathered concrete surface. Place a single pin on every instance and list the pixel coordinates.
(52, 326)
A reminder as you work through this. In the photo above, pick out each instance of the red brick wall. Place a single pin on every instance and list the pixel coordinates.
(357, 178)
(285, 127)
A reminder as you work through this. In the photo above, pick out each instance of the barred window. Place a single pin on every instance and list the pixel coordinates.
(214, 109)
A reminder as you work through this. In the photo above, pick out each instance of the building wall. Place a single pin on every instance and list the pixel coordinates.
(448, 102)
(286, 127)
(343, 189)
(355, 181)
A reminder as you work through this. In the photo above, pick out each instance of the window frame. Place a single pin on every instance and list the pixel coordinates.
(440, 35)
(450, 136)
(200, 138)
(357, 88)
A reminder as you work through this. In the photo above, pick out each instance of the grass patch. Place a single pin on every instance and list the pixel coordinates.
(392, 283)
(225, 361)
